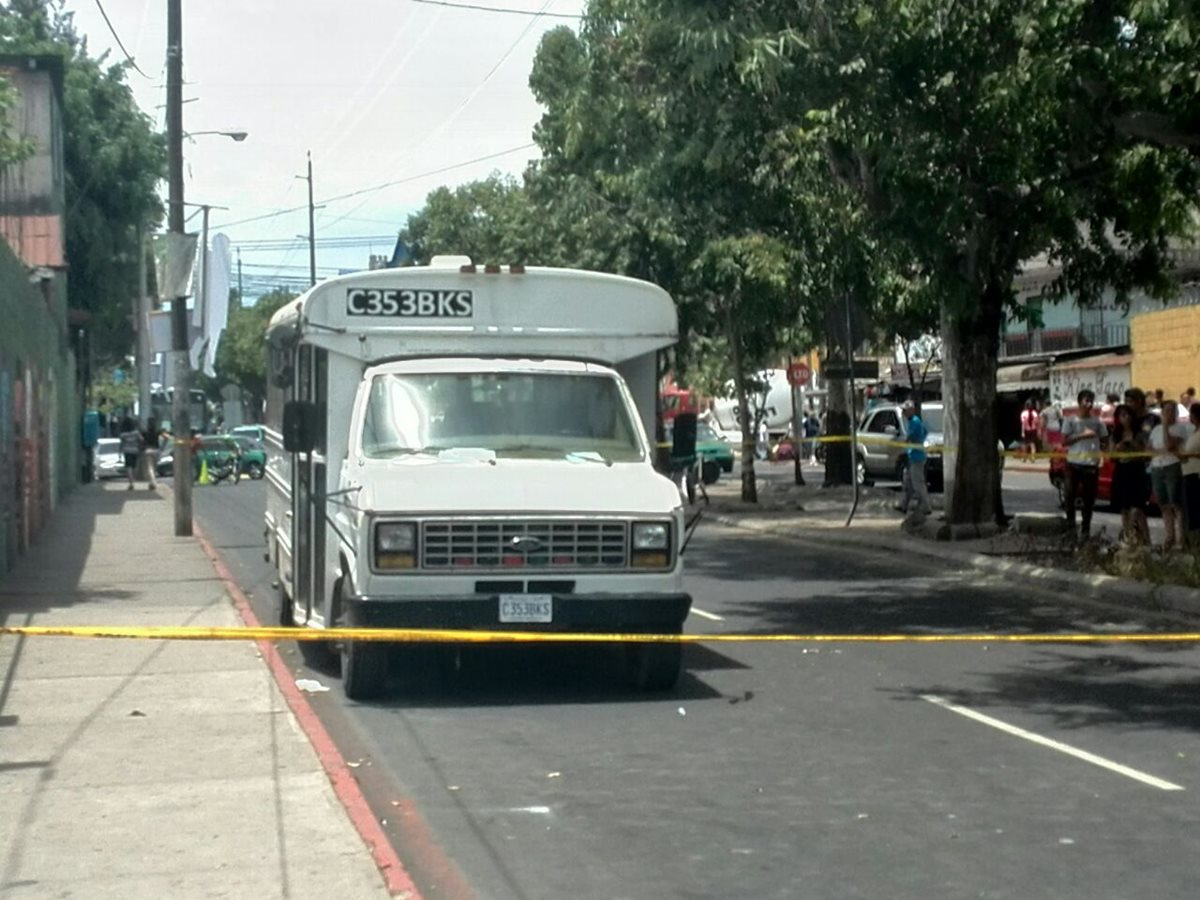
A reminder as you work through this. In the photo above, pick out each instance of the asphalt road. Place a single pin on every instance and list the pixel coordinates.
(785, 770)
(1024, 491)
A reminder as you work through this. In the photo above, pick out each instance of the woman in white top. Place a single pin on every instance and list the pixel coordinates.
(1191, 475)
(1166, 473)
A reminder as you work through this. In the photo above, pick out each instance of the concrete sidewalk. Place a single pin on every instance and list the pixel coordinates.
(152, 769)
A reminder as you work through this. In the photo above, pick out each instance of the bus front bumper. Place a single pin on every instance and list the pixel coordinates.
(586, 613)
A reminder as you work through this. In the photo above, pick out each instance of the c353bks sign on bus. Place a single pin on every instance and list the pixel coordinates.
(409, 303)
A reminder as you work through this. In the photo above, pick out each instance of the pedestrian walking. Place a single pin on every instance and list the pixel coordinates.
(1166, 473)
(1083, 435)
(1130, 487)
(1191, 475)
(812, 428)
(1108, 409)
(1030, 422)
(1186, 400)
(762, 446)
(1050, 422)
(131, 447)
(915, 486)
(197, 462)
(150, 451)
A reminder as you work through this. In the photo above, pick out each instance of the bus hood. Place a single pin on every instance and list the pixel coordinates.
(552, 486)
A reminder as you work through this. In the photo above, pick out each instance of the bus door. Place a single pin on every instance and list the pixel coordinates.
(309, 488)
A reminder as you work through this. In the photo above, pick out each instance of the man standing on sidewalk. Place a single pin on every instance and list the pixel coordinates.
(1082, 434)
(915, 486)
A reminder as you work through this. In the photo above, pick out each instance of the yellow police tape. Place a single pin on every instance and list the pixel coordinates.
(936, 448)
(449, 635)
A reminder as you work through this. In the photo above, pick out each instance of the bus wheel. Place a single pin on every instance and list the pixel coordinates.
(286, 618)
(653, 666)
(364, 669)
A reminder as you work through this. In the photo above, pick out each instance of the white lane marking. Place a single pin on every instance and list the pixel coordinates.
(1055, 745)
(536, 810)
(707, 615)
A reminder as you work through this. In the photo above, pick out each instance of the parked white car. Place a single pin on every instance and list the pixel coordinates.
(107, 461)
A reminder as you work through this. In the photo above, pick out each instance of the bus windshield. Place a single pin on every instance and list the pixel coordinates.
(532, 415)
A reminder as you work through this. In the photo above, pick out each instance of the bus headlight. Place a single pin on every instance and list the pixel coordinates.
(395, 545)
(651, 545)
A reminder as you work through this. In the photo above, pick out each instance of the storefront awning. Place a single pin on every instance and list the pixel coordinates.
(1099, 361)
(1025, 377)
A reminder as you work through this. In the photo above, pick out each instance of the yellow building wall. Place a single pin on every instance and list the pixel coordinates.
(1166, 349)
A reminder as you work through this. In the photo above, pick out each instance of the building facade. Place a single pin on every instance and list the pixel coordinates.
(39, 403)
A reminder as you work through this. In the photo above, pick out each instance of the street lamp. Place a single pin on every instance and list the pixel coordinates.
(238, 136)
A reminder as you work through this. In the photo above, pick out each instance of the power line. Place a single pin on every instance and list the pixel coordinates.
(429, 136)
(117, 38)
(365, 109)
(326, 242)
(499, 9)
(380, 187)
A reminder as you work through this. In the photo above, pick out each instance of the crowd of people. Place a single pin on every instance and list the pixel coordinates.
(1154, 444)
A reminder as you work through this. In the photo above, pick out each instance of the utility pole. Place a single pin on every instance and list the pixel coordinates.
(144, 352)
(241, 301)
(312, 234)
(180, 418)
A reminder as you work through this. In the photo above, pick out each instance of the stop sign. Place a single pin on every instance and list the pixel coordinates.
(798, 374)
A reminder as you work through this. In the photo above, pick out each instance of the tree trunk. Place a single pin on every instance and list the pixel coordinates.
(745, 420)
(838, 468)
(970, 349)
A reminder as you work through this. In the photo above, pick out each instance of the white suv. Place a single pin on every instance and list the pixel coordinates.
(881, 453)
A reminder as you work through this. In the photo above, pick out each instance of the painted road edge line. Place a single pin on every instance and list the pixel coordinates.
(396, 878)
(707, 615)
(1084, 755)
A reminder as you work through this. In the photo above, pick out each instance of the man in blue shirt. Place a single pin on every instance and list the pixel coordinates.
(915, 487)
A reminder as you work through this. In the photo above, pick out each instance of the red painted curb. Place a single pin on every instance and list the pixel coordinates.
(395, 876)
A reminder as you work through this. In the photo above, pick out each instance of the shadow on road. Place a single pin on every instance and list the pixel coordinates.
(444, 677)
(1080, 688)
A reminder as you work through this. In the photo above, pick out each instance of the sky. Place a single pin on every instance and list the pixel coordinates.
(379, 91)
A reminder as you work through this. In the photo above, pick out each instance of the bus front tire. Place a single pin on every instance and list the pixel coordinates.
(364, 669)
(653, 666)
(286, 617)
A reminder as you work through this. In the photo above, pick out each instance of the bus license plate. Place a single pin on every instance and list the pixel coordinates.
(526, 608)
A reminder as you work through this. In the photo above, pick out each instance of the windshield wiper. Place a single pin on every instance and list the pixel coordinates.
(589, 456)
(389, 450)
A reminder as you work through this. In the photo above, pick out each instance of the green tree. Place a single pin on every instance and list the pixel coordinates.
(982, 136)
(113, 162)
(653, 170)
(242, 354)
(487, 220)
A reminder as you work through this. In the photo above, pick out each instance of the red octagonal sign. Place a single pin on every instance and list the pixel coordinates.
(798, 374)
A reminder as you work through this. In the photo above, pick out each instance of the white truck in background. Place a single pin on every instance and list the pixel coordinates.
(456, 446)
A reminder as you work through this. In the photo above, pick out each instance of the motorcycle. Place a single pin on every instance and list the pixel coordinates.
(222, 468)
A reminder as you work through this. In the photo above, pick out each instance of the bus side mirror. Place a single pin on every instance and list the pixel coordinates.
(299, 426)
